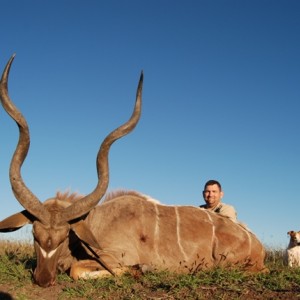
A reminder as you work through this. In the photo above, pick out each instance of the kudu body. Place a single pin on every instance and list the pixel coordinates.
(76, 235)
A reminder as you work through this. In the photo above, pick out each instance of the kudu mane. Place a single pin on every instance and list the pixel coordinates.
(112, 195)
(68, 196)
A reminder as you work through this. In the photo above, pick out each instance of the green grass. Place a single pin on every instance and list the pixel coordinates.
(17, 261)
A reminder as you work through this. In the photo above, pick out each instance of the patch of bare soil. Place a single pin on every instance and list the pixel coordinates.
(9, 292)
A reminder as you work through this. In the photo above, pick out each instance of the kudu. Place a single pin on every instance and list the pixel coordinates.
(127, 229)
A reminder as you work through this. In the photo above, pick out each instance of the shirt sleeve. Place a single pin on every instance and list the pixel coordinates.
(228, 211)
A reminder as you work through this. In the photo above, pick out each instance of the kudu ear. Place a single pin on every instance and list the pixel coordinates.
(84, 234)
(16, 221)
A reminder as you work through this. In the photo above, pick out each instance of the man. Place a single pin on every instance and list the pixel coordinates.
(212, 195)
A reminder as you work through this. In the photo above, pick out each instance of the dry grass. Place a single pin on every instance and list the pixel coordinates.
(17, 248)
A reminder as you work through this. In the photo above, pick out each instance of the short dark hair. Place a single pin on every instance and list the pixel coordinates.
(212, 182)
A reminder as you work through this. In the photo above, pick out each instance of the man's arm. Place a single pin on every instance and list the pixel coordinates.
(228, 211)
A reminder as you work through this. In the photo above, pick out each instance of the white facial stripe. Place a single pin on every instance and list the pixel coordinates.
(47, 255)
(51, 253)
(44, 253)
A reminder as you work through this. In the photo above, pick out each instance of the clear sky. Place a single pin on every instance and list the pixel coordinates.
(221, 100)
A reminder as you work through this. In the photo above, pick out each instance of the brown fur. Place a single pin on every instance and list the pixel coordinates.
(132, 231)
(129, 230)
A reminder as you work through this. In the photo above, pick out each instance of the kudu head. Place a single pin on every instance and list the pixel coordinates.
(53, 219)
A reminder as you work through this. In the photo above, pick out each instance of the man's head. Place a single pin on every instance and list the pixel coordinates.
(212, 193)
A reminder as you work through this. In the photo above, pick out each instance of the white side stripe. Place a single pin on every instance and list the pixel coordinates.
(156, 230)
(178, 234)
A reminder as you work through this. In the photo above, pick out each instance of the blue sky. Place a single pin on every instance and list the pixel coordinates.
(220, 101)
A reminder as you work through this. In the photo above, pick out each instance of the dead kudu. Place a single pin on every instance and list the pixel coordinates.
(76, 235)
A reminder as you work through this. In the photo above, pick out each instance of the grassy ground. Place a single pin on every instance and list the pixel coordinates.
(17, 261)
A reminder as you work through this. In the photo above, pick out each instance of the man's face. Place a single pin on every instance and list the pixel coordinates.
(212, 195)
